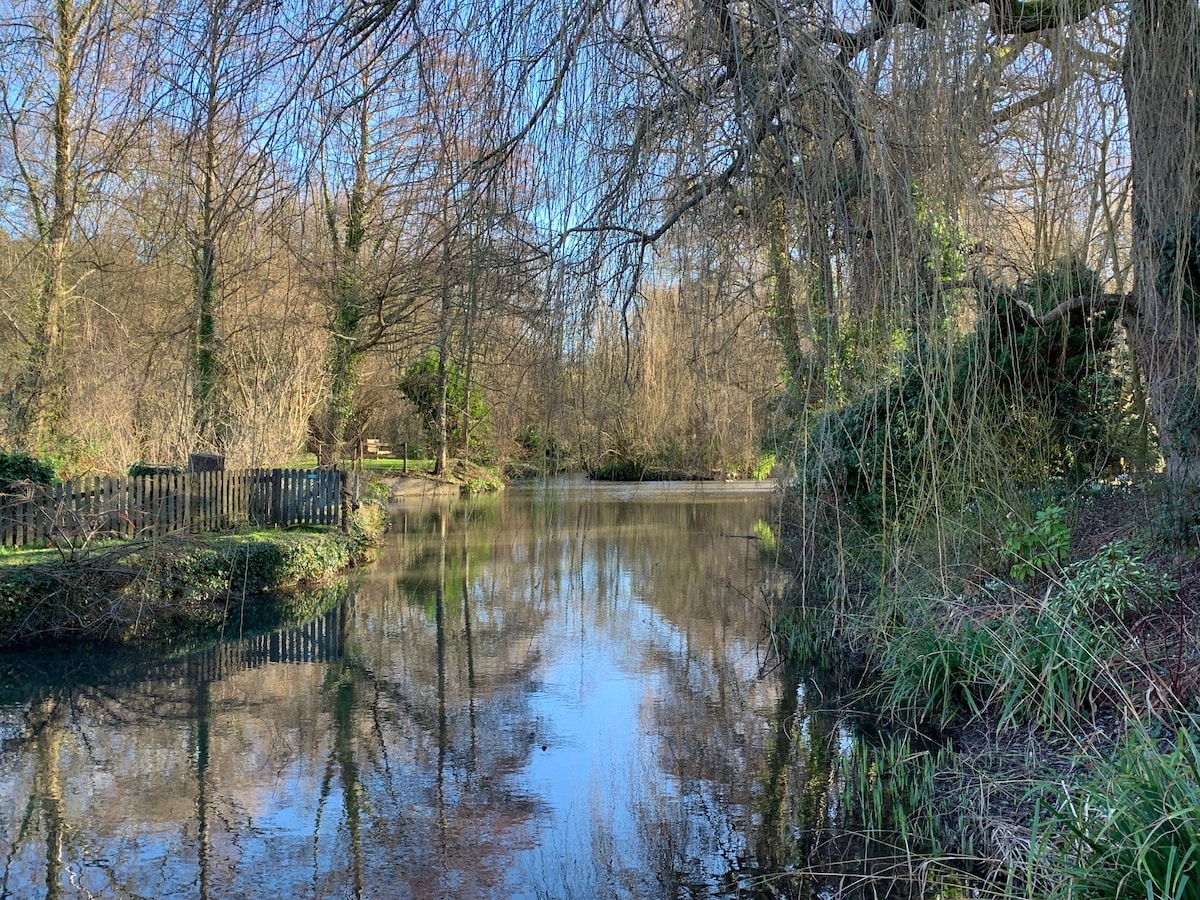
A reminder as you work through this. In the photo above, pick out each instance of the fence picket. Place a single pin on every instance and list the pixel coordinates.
(206, 511)
(154, 505)
(289, 515)
(55, 512)
(293, 498)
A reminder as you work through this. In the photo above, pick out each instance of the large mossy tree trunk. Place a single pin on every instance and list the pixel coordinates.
(1162, 74)
(344, 362)
(346, 305)
(43, 403)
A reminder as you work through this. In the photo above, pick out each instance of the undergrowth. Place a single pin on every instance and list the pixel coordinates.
(159, 589)
(1132, 829)
(1043, 771)
(1052, 617)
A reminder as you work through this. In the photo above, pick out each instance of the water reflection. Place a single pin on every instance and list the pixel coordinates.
(559, 693)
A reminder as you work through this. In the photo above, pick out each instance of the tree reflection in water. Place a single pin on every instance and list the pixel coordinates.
(545, 695)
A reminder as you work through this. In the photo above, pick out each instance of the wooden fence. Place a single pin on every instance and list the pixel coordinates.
(154, 505)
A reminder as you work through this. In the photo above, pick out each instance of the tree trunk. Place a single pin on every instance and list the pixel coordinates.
(44, 404)
(204, 263)
(343, 372)
(1161, 78)
(346, 307)
(442, 460)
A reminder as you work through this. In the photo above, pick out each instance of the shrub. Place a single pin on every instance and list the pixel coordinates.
(368, 523)
(764, 466)
(249, 565)
(1115, 580)
(1035, 548)
(18, 466)
(544, 451)
(420, 386)
(1030, 401)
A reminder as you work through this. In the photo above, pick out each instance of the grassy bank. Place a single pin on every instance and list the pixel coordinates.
(1037, 661)
(174, 588)
(469, 477)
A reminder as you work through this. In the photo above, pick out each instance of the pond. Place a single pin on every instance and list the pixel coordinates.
(566, 691)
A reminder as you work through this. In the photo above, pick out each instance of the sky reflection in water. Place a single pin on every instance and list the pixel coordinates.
(555, 693)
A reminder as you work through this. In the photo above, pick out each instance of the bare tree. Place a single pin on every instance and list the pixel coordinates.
(65, 109)
(369, 254)
(227, 87)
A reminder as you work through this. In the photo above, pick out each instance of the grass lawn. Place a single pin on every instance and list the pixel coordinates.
(21, 556)
(29, 556)
(387, 465)
(391, 466)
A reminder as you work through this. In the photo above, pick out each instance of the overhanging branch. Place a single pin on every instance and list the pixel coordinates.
(1092, 302)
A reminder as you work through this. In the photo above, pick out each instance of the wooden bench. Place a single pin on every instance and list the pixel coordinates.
(376, 449)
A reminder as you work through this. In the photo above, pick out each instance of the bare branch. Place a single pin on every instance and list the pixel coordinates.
(1093, 302)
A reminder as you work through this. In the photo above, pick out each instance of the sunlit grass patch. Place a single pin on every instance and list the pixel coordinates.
(389, 465)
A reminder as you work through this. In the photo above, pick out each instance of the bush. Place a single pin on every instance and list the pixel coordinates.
(420, 386)
(18, 466)
(1026, 401)
(544, 453)
(368, 523)
(1036, 548)
(1114, 581)
(764, 466)
(290, 558)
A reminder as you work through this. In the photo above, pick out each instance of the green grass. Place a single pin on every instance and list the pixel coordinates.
(393, 466)
(24, 556)
(388, 465)
(1133, 830)
(29, 556)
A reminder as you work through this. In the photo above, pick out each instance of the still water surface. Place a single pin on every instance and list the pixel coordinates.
(562, 692)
